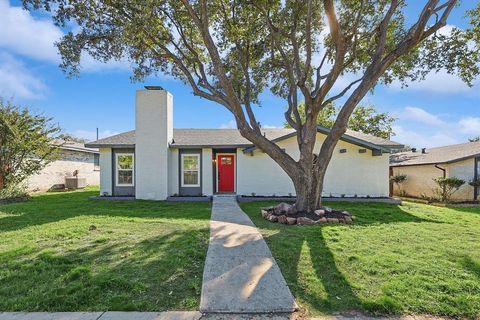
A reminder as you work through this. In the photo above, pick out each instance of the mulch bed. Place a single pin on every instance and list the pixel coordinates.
(286, 214)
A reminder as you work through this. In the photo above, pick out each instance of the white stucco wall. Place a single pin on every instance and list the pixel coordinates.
(349, 173)
(464, 170)
(173, 172)
(55, 172)
(153, 133)
(207, 172)
(106, 171)
(419, 182)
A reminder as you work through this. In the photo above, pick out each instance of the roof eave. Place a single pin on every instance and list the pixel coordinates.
(117, 145)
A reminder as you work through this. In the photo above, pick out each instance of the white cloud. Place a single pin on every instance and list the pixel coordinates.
(437, 82)
(16, 81)
(422, 116)
(422, 139)
(35, 38)
(23, 34)
(92, 135)
(470, 125)
(229, 125)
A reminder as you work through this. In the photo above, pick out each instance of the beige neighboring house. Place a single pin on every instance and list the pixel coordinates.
(74, 156)
(156, 161)
(422, 166)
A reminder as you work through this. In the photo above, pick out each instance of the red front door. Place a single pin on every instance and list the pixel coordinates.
(226, 172)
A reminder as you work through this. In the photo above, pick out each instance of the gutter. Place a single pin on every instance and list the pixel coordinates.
(442, 169)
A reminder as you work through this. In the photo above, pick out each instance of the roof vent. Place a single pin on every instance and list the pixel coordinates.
(154, 88)
(414, 149)
(424, 150)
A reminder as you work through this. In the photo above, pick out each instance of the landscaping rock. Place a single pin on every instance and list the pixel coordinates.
(272, 218)
(348, 220)
(347, 213)
(282, 219)
(333, 220)
(285, 208)
(265, 213)
(322, 220)
(291, 220)
(305, 221)
(327, 209)
(320, 212)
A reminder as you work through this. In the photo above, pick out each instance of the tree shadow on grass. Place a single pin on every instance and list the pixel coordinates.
(47, 208)
(155, 274)
(323, 286)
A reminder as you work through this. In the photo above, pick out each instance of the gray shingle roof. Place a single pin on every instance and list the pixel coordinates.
(223, 137)
(74, 146)
(445, 154)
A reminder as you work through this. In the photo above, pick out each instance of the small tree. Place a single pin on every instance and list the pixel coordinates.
(398, 180)
(364, 119)
(27, 144)
(447, 187)
(474, 139)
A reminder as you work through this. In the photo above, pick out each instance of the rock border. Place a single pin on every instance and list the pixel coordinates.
(285, 213)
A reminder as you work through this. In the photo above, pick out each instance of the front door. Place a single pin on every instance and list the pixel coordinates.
(226, 172)
(477, 177)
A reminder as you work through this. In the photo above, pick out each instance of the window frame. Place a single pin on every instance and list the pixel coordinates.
(117, 170)
(182, 170)
(96, 158)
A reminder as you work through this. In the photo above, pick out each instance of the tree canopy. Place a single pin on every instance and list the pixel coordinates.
(315, 51)
(27, 144)
(365, 118)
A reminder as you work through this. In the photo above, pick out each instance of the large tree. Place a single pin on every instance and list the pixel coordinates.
(229, 51)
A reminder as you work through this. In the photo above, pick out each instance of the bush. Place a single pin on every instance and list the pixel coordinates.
(13, 193)
(447, 187)
(398, 180)
(475, 183)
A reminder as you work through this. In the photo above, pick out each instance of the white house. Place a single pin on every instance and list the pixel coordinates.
(156, 161)
(74, 158)
(422, 167)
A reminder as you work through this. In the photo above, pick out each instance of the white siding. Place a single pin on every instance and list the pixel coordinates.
(207, 172)
(106, 171)
(349, 173)
(153, 133)
(173, 172)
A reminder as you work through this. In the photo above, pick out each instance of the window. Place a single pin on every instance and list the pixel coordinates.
(190, 170)
(125, 167)
(96, 162)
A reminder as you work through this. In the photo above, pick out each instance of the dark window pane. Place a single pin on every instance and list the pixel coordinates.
(96, 161)
(190, 177)
(125, 177)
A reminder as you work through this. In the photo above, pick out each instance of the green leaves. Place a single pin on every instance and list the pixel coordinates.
(27, 143)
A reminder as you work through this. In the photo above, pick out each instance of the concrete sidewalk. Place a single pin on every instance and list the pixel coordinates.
(240, 275)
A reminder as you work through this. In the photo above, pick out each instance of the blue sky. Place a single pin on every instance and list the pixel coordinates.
(438, 111)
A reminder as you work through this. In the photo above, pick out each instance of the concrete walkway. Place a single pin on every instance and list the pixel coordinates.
(240, 274)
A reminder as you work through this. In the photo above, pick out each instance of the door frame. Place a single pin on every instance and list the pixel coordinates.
(234, 170)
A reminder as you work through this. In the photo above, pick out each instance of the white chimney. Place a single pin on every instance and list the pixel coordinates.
(153, 134)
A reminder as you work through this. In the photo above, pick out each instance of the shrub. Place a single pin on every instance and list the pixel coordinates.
(13, 193)
(447, 187)
(475, 183)
(398, 180)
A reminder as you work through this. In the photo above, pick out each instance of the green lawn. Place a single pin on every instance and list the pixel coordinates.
(404, 259)
(142, 256)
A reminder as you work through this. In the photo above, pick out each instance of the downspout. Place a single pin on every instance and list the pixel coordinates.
(444, 174)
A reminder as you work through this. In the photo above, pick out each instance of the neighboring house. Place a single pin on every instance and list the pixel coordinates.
(421, 167)
(74, 156)
(156, 161)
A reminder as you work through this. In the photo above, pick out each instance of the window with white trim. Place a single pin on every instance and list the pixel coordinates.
(190, 170)
(125, 167)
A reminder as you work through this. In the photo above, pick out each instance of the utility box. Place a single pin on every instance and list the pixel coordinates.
(75, 182)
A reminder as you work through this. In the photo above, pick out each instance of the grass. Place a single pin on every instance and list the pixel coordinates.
(141, 255)
(409, 259)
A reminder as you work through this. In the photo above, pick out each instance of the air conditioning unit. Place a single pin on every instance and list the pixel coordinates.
(75, 182)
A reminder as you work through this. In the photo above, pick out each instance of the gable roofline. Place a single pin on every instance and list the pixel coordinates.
(345, 137)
